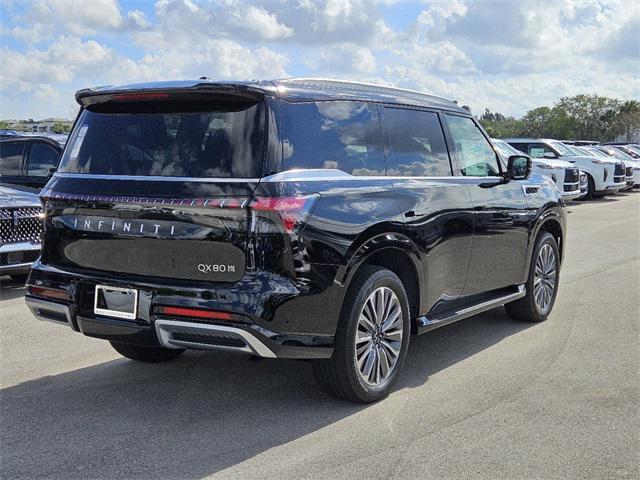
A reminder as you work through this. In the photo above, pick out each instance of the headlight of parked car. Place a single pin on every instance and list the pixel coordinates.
(599, 162)
(546, 166)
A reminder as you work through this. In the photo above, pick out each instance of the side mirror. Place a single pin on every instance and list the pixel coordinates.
(518, 167)
(52, 170)
(549, 155)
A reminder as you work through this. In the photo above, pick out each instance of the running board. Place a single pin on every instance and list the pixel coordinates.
(424, 324)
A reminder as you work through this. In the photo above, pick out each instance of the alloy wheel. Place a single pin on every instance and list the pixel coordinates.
(379, 336)
(544, 278)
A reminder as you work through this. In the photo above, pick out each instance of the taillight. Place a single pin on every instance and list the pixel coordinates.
(293, 211)
(193, 313)
(52, 293)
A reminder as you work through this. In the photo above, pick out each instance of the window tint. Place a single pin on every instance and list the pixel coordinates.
(11, 154)
(418, 148)
(41, 158)
(474, 153)
(341, 135)
(184, 144)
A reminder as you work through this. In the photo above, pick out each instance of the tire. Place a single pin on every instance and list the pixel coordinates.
(591, 188)
(527, 308)
(22, 278)
(340, 375)
(141, 353)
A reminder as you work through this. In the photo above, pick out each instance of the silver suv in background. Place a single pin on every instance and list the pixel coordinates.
(20, 230)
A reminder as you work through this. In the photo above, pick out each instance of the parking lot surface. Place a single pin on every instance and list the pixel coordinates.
(487, 397)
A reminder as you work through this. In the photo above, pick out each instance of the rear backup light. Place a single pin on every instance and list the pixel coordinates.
(51, 293)
(293, 211)
(193, 313)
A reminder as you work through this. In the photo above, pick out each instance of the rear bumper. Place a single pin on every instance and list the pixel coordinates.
(244, 333)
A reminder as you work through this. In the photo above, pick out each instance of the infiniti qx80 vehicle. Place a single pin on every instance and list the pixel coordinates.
(305, 219)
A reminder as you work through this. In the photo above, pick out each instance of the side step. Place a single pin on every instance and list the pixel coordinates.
(425, 324)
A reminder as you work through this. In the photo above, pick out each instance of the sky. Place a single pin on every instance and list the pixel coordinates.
(508, 56)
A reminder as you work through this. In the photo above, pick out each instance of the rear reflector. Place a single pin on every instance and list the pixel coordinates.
(49, 293)
(193, 313)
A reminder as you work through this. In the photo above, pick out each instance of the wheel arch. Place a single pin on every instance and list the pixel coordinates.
(551, 221)
(395, 252)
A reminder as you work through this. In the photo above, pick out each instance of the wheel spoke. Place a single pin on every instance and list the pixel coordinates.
(378, 337)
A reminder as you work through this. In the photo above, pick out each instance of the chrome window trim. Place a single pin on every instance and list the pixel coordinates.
(156, 178)
(295, 175)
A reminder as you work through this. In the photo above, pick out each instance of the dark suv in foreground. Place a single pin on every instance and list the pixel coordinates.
(299, 218)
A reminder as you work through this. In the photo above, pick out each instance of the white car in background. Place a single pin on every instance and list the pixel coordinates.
(565, 175)
(632, 164)
(605, 175)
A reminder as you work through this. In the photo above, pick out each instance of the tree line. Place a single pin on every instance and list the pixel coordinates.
(581, 117)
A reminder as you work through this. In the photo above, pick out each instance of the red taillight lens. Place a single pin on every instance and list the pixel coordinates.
(293, 211)
(52, 293)
(140, 97)
(194, 313)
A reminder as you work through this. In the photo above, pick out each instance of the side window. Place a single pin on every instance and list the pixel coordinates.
(418, 148)
(336, 134)
(523, 147)
(473, 151)
(537, 150)
(42, 157)
(11, 154)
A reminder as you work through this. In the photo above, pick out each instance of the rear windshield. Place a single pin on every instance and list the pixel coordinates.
(183, 144)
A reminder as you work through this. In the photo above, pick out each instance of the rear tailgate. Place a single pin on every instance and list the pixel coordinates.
(190, 237)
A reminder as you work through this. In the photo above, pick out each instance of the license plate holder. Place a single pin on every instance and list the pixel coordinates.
(117, 302)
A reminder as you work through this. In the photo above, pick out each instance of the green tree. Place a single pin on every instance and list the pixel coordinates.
(627, 120)
(4, 125)
(499, 126)
(60, 128)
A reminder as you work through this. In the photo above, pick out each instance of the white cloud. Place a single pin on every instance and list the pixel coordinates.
(506, 55)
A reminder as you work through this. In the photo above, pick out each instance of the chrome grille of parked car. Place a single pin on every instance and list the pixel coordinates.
(20, 224)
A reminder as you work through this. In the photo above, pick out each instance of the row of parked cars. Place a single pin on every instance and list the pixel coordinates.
(581, 169)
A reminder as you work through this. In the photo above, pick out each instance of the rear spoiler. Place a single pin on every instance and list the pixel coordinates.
(150, 92)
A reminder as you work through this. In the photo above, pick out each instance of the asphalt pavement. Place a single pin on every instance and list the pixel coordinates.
(487, 397)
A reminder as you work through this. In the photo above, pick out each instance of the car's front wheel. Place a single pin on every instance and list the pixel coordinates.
(542, 283)
(591, 188)
(141, 353)
(371, 340)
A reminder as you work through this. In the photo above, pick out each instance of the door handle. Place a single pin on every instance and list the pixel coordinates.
(410, 213)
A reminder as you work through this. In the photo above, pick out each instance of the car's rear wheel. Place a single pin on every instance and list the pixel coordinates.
(140, 353)
(542, 284)
(371, 340)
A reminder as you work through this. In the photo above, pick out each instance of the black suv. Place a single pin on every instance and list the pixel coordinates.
(298, 218)
(28, 161)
